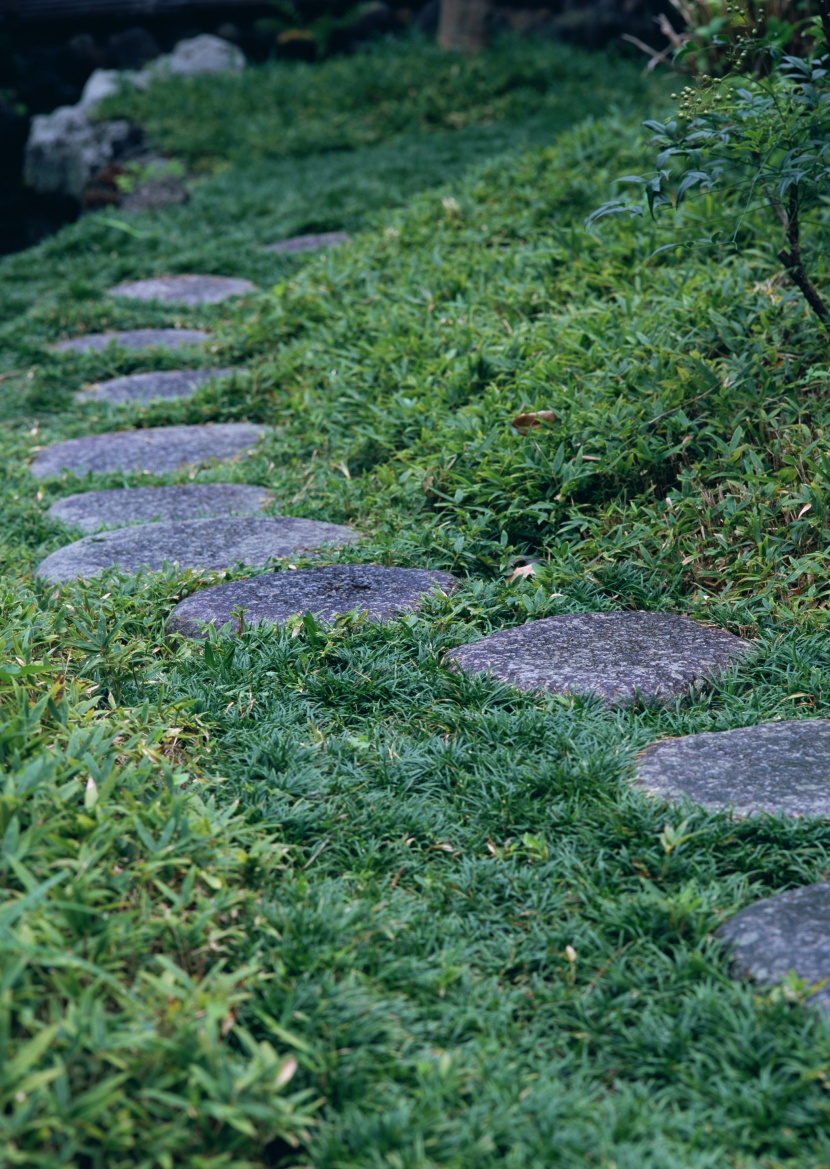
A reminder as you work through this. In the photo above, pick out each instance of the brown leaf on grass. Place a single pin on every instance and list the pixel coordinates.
(526, 422)
(523, 570)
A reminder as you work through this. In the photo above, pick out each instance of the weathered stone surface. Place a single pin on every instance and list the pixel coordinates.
(148, 387)
(134, 339)
(65, 150)
(160, 449)
(213, 544)
(617, 656)
(778, 767)
(196, 55)
(788, 932)
(150, 194)
(184, 289)
(309, 243)
(326, 592)
(101, 84)
(92, 510)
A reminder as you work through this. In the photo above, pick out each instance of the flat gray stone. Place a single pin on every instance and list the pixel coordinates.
(617, 656)
(309, 243)
(213, 544)
(93, 510)
(788, 932)
(778, 767)
(148, 387)
(326, 592)
(158, 449)
(184, 289)
(170, 339)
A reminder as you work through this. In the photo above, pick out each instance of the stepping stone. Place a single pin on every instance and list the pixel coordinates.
(184, 289)
(134, 339)
(213, 544)
(309, 243)
(326, 592)
(147, 387)
(617, 656)
(160, 449)
(778, 767)
(92, 510)
(790, 931)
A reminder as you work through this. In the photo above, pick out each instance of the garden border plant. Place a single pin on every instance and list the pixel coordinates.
(748, 141)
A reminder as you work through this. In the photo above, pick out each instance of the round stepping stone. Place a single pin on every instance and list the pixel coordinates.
(184, 289)
(788, 932)
(309, 243)
(92, 510)
(617, 656)
(326, 592)
(147, 387)
(163, 448)
(779, 767)
(134, 339)
(213, 544)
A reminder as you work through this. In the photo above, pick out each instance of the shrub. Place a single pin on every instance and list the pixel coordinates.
(762, 141)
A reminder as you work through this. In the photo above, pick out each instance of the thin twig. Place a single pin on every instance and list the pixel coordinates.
(680, 405)
(604, 967)
(655, 57)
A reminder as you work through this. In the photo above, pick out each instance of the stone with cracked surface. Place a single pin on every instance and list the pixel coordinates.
(784, 933)
(779, 767)
(619, 657)
(213, 545)
(155, 450)
(93, 510)
(309, 243)
(150, 387)
(328, 592)
(188, 290)
(170, 339)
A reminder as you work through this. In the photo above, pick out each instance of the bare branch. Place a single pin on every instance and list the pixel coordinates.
(793, 263)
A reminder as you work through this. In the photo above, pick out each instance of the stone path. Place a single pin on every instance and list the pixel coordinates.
(170, 339)
(309, 243)
(328, 593)
(189, 290)
(212, 544)
(92, 510)
(617, 656)
(164, 448)
(790, 931)
(779, 767)
(149, 387)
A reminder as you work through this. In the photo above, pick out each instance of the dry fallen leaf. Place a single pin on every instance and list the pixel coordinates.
(526, 422)
(523, 571)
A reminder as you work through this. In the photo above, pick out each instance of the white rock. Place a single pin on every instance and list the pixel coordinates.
(202, 54)
(65, 150)
(102, 83)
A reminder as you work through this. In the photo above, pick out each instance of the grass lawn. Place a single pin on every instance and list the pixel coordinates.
(308, 897)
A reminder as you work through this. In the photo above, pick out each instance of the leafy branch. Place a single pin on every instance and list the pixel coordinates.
(769, 135)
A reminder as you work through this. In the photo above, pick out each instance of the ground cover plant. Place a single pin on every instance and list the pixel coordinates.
(309, 897)
(404, 86)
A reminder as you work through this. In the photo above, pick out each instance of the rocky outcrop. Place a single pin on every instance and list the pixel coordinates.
(66, 148)
(202, 54)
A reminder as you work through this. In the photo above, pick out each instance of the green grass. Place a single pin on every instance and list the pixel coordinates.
(394, 89)
(311, 898)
